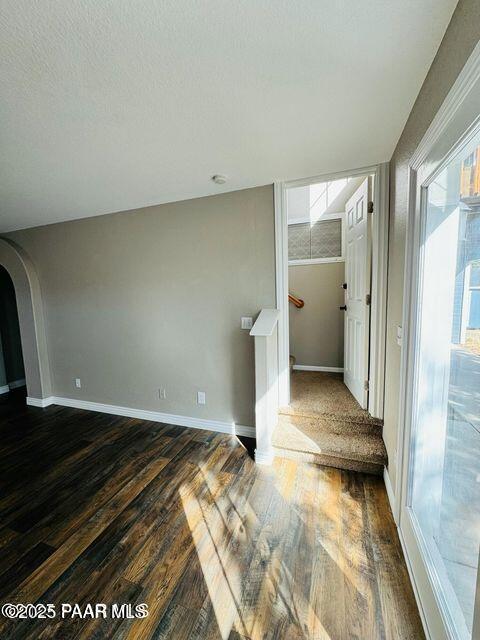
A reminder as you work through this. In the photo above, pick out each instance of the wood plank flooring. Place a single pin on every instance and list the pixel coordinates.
(102, 509)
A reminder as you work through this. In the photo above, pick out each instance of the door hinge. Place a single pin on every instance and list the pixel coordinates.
(368, 299)
(370, 206)
(366, 385)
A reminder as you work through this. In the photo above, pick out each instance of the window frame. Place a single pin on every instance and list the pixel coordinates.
(456, 121)
(340, 215)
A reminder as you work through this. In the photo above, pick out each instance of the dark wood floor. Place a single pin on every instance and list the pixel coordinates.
(101, 509)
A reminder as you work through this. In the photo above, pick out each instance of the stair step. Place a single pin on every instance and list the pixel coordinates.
(318, 394)
(329, 442)
(360, 417)
(332, 424)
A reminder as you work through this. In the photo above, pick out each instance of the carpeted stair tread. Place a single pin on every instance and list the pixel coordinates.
(316, 441)
(324, 424)
(333, 424)
(358, 447)
(324, 394)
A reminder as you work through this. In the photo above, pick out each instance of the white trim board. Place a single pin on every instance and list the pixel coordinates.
(143, 414)
(378, 311)
(264, 458)
(281, 293)
(460, 89)
(305, 261)
(4, 389)
(463, 85)
(40, 402)
(311, 367)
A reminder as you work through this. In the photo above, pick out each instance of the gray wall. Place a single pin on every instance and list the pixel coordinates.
(153, 298)
(316, 330)
(460, 39)
(10, 331)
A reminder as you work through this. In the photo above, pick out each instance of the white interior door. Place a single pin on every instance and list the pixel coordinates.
(357, 312)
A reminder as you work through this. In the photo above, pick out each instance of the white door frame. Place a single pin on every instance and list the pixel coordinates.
(379, 279)
(456, 121)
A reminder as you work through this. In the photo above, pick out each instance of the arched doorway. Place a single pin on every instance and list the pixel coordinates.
(12, 370)
(31, 322)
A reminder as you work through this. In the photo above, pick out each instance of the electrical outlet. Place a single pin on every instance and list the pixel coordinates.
(78, 383)
(246, 323)
(201, 397)
(162, 393)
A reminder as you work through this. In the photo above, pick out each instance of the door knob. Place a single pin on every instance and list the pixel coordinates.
(344, 285)
(344, 308)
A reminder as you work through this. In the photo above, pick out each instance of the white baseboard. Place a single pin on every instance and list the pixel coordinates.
(16, 384)
(143, 414)
(264, 457)
(4, 389)
(308, 367)
(242, 430)
(40, 402)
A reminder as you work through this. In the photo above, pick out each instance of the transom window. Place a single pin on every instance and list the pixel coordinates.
(320, 240)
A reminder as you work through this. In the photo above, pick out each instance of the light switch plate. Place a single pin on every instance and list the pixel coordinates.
(201, 397)
(247, 323)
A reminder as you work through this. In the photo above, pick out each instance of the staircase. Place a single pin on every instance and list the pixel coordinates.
(325, 425)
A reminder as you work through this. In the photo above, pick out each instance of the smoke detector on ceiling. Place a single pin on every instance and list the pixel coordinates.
(219, 179)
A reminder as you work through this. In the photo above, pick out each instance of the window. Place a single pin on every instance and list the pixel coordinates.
(320, 241)
(445, 496)
(315, 221)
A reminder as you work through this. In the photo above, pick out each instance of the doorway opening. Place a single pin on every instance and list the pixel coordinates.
(12, 370)
(22, 274)
(331, 407)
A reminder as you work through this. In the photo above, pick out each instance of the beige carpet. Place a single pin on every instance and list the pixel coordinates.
(324, 424)
(324, 394)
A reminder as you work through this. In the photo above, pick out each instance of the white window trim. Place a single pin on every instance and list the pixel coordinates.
(297, 263)
(445, 135)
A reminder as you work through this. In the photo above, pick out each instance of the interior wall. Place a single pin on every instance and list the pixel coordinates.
(460, 39)
(316, 330)
(10, 331)
(152, 298)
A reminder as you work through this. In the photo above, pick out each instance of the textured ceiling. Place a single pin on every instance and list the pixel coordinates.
(113, 105)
